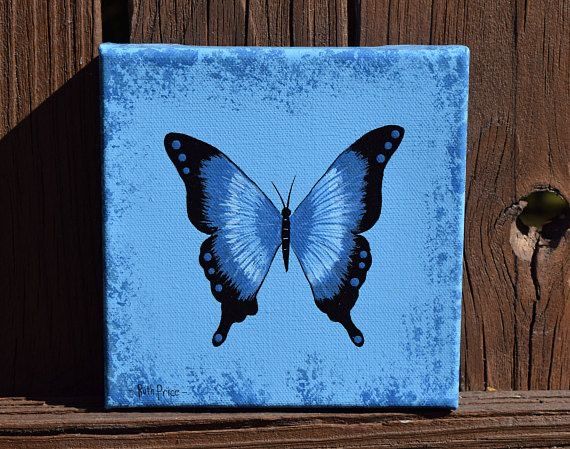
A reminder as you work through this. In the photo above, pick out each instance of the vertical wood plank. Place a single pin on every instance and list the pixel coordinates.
(542, 138)
(50, 194)
(269, 23)
(516, 323)
(241, 22)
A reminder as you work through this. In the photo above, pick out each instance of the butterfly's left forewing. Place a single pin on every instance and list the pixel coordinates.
(243, 224)
(325, 227)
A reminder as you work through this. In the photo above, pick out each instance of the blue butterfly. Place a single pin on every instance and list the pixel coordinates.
(246, 229)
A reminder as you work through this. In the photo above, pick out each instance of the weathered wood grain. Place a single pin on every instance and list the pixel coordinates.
(50, 196)
(241, 22)
(484, 420)
(516, 327)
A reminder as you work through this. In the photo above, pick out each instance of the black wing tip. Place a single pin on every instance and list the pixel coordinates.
(218, 338)
(177, 150)
(394, 134)
(400, 129)
(358, 340)
(232, 312)
(173, 144)
(356, 336)
(170, 137)
(380, 144)
(390, 133)
(387, 129)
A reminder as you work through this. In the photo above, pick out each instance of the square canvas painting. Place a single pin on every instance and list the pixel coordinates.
(283, 226)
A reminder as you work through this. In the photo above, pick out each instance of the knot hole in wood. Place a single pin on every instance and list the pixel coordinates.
(542, 219)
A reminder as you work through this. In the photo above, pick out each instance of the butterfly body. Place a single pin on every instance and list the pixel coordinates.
(246, 229)
(286, 235)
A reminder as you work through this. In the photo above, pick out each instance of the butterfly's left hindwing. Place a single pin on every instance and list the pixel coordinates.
(346, 201)
(243, 224)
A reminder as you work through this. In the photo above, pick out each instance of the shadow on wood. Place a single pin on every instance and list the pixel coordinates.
(50, 227)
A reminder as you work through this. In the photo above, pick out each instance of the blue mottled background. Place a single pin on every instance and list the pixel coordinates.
(279, 113)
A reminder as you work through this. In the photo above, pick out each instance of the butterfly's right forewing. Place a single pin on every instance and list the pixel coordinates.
(243, 224)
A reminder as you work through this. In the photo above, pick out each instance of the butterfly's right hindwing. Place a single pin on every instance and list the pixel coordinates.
(337, 306)
(243, 224)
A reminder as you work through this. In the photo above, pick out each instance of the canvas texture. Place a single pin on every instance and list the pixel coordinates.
(283, 227)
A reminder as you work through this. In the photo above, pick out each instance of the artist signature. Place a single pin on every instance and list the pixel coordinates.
(159, 391)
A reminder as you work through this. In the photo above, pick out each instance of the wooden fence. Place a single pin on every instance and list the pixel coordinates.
(516, 302)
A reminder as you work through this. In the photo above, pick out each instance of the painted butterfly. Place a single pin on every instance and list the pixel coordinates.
(246, 229)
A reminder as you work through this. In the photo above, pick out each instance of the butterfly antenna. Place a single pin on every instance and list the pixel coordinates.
(290, 189)
(280, 197)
